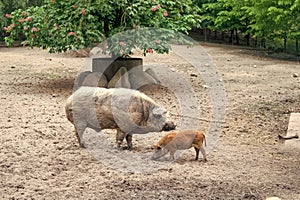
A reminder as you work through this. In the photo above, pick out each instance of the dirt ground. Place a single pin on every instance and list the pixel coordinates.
(40, 157)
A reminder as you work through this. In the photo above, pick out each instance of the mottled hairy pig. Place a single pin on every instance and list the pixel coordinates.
(128, 111)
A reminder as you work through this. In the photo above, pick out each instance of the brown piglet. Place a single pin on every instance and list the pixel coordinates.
(180, 140)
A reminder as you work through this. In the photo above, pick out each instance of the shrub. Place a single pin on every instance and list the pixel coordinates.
(70, 25)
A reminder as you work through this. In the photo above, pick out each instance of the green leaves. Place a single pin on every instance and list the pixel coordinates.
(57, 26)
(268, 19)
(274, 19)
(62, 25)
(146, 39)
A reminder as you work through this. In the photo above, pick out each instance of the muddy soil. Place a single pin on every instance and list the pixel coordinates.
(40, 157)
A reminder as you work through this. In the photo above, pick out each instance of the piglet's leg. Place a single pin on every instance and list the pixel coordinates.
(203, 153)
(197, 153)
(172, 153)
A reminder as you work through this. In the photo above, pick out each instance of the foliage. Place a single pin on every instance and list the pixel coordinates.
(63, 25)
(7, 6)
(76, 24)
(269, 19)
(275, 20)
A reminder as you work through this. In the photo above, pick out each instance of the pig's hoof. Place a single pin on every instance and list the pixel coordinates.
(81, 145)
(153, 158)
(127, 148)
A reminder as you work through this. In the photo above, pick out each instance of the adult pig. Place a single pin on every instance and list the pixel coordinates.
(129, 111)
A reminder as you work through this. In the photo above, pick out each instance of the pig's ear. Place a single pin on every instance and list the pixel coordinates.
(95, 98)
(159, 112)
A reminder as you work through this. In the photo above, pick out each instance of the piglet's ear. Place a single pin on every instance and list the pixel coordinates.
(156, 147)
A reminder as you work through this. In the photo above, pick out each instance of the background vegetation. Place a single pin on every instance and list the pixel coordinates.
(75, 24)
(8, 6)
(271, 24)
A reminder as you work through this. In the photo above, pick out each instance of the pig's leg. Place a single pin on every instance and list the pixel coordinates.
(197, 153)
(78, 138)
(79, 130)
(129, 141)
(203, 153)
(120, 137)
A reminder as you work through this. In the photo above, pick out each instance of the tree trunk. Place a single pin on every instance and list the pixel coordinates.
(248, 39)
(222, 35)
(248, 34)
(255, 42)
(237, 39)
(105, 26)
(284, 44)
(263, 43)
(205, 35)
(231, 36)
